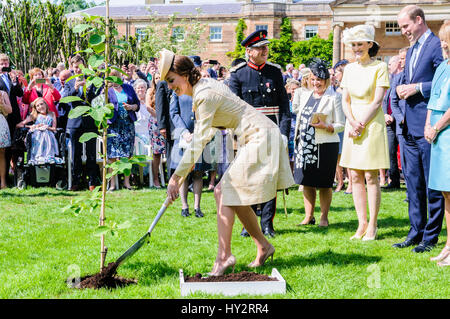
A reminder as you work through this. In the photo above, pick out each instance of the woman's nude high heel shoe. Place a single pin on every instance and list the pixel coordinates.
(268, 254)
(443, 254)
(356, 236)
(220, 269)
(444, 262)
(367, 238)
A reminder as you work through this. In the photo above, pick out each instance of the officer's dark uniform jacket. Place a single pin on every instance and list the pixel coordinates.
(263, 88)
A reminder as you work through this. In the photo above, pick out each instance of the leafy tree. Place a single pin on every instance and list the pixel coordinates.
(34, 33)
(76, 5)
(158, 36)
(304, 51)
(280, 49)
(239, 50)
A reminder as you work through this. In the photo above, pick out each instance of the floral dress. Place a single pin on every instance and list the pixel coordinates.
(157, 140)
(5, 138)
(122, 144)
(314, 164)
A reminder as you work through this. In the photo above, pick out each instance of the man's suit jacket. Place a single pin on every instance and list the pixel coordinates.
(162, 107)
(14, 92)
(415, 111)
(397, 105)
(183, 118)
(84, 122)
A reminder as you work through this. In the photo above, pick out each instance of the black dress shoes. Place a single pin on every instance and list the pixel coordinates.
(408, 242)
(269, 232)
(198, 213)
(185, 212)
(423, 247)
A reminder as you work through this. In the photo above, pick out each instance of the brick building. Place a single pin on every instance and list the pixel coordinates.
(308, 18)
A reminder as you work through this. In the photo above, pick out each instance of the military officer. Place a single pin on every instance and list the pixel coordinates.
(260, 83)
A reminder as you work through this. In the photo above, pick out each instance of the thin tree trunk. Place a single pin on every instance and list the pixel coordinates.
(104, 138)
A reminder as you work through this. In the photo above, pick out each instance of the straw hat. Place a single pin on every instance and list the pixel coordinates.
(359, 33)
(165, 62)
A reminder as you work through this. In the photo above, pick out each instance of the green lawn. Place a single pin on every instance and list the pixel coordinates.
(41, 247)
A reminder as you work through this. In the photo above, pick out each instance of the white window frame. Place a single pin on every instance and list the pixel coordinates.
(259, 27)
(316, 27)
(139, 33)
(215, 33)
(392, 29)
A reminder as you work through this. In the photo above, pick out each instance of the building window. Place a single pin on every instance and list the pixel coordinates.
(392, 28)
(260, 27)
(311, 31)
(178, 34)
(140, 33)
(215, 33)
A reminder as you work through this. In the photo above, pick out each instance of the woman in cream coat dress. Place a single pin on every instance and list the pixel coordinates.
(261, 166)
(316, 144)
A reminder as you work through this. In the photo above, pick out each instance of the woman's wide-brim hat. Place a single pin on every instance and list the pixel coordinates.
(359, 33)
(165, 62)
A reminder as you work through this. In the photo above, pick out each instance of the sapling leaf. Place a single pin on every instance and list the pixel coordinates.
(99, 48)
(95, 60)
(96, 39)
(114, 79)
(78, 111)
(97, 114)
(97, 81)
(70, 99)
(86, 71)
(124, 225)
(80, 28)
(101, 230)
(87, 136)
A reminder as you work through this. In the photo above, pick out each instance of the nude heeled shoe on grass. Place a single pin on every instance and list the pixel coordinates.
(230, 262)
(367, 238)
(442, 255)
(356, 236)
(270, 252)
(444, 262)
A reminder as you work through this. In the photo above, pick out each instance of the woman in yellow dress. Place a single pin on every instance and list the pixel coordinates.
(261, 166)
(365, 147)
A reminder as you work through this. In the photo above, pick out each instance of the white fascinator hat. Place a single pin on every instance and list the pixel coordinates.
(359, 33)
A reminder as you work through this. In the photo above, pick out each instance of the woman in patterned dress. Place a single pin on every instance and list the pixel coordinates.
(156, 139)
(316, 142)
(126, 104)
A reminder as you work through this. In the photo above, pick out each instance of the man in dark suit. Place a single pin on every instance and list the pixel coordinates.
(14, 90)
(414, 88)
(76, 127)
(394, 68)
(165, 125)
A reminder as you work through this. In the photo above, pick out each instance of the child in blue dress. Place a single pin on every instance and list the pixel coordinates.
(44, 147)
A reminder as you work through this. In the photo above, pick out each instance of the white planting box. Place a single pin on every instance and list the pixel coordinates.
(232, 288)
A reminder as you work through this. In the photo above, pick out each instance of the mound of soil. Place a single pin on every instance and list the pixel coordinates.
(105, 279)
(240, 276)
